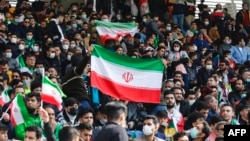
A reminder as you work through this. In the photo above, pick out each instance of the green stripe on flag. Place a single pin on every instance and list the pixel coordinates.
(22, 106)
(21, 61)
(136, 63)
(115, 25)
(46, 80)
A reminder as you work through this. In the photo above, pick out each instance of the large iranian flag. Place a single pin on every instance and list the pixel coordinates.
(109, 30)
(19, 113)
(127, 78)
(52, 93)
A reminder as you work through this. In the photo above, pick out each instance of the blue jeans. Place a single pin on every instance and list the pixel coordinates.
(179, 20)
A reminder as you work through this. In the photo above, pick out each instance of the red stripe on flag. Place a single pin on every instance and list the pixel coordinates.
(2, 102)
(134, 94)
(51, 100)
(108, 37)
(12, 120)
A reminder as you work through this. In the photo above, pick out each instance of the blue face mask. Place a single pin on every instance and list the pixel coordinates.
(248, 80)
(243, 96)
(194, 132)
(74, 25)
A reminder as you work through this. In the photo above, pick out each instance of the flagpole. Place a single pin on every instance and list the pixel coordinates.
(43, 74)
(5, 111)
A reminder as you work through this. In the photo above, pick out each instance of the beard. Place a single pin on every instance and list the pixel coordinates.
(170, 106)
(31, 111)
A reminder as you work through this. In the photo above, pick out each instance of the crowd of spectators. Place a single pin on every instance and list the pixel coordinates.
(206, 78)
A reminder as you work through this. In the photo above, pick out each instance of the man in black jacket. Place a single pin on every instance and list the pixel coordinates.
(113, 130)
(73, 84)
(54, 30)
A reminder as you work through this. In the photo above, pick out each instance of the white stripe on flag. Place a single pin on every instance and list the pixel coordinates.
(115, 72)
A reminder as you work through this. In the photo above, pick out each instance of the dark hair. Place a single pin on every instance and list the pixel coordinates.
(35, 129)
(168, 92)
(84, 111)
(215, 119)
(228, 105)
(34, 94)
(202, 105)
(68, 133)
(162, 114)
(179, 135)
(192, 118)
(35, 84)
(70, 101)
(206, 130)
(84, 126)
(153, 117)
(177, 88)
(4, 62)
(114, 109)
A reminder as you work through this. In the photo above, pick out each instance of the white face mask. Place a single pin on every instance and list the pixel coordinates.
(105, 20)
(195, 48)
(68, 57)
(176, 48)
(206, 22)
(191, 102)
(209, 67)
(8, 55)
(65, 47)
(39, 70)
(35, 48)
(13, 40)
(21, 47)
(29, 37)
(52, 55)
(84, 16)
(72, 45)
(147, 130)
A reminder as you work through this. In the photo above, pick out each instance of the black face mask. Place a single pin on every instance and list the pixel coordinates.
(73, 111)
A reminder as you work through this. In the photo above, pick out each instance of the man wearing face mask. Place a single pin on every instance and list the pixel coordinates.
(200, 132)
(51, 60)
(205, 72)
(149, 129)
(13, 44)
(8, 56)
(29, 41)
(69, 114)
(225, 46)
